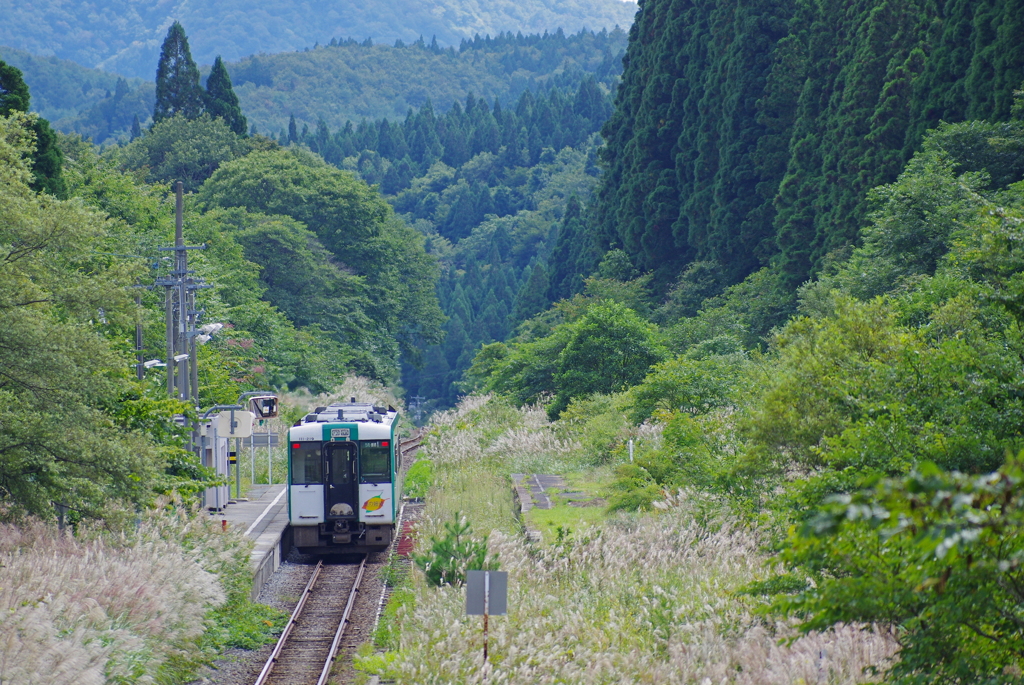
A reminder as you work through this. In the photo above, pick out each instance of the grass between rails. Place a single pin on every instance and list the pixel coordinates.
(633, 598)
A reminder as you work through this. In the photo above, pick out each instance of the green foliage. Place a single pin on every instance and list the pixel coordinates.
(633, 489)
(177, 79)
(608, 349)
(354, 81)
(66, 433)
(220, 100)
(181, 149)
(603, 349)
(76, 99)
(47, 159)
(936, 555)
(419, 479)
(694, 386)
(450, 557)
(597, 423)
(14, 95)
(749, 135)
(351, 221)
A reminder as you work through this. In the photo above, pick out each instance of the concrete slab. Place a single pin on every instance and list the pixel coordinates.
(264, 518)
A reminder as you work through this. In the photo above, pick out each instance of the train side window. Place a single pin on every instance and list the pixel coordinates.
(306, 464)
(375, 461)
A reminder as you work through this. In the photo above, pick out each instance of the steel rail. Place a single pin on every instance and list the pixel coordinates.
(269, 666)
(333, 653)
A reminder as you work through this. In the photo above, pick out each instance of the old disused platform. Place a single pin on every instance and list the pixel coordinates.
(264, 518)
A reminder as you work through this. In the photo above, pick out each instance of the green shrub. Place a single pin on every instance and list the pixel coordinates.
(419, 478)
(450, 557)
(633, 489)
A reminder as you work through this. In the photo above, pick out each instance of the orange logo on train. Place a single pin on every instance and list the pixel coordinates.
(374, 503)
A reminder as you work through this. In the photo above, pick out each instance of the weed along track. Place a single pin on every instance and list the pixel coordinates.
(308, 647)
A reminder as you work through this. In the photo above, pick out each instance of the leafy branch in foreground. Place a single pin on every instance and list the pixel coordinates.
(936, 556)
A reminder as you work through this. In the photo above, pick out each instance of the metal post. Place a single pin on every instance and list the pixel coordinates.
(169, 319)
(487, 608)
(193, 352)
(140, 370)
(238, 468)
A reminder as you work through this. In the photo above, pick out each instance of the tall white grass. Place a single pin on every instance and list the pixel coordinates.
(106, 608)
(648, 599)
(363, 389)
(641, 601)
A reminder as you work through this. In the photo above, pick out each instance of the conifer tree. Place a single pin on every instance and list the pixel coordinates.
(48, 162)
(136, 128)
(220, 98)
(177, 79)
(14, 96)
(293, 131)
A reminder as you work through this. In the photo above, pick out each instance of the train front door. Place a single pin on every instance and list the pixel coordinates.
(340, 493)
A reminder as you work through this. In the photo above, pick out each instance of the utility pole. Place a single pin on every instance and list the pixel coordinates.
(181, 316)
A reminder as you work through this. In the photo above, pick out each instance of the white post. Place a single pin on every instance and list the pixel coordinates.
(630, 451)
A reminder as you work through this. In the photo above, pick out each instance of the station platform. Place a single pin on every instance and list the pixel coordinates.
(263, 517)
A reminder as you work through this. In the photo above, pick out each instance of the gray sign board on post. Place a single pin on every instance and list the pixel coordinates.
(261, 440)
(496, 583)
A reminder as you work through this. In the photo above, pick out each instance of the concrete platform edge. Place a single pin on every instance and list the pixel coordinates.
(276, 547)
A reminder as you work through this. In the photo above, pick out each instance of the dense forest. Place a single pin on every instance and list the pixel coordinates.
(351, 80)
(748, 135)
(123, 36)
(343, 80)
(488, 187)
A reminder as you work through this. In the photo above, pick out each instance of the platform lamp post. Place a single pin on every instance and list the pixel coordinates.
(252, 446)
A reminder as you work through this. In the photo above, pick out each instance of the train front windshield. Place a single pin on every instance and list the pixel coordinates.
(307, 464)
(375, 461)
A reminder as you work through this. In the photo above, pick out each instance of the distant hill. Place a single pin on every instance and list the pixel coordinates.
(334, 83)
(353, 81)
(62, 88)
(124, 36)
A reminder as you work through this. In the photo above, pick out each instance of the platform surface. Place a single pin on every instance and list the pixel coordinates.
(264, 518)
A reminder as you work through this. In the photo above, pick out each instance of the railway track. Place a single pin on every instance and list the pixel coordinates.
(308, 646)
(412, 443)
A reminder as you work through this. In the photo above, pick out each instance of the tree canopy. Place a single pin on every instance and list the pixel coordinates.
(177, 79)
(220, 100)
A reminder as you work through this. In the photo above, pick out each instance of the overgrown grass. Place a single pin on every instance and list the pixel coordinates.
(149, 604)
(655, 597)
(419, 479)
(564, 517)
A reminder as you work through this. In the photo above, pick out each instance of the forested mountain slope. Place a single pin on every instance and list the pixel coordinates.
(749, 133)
(341, 81)
(488, 186)
(352, 80)
(123, 36)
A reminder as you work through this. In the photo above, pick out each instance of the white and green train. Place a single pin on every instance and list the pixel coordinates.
(343, 479)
